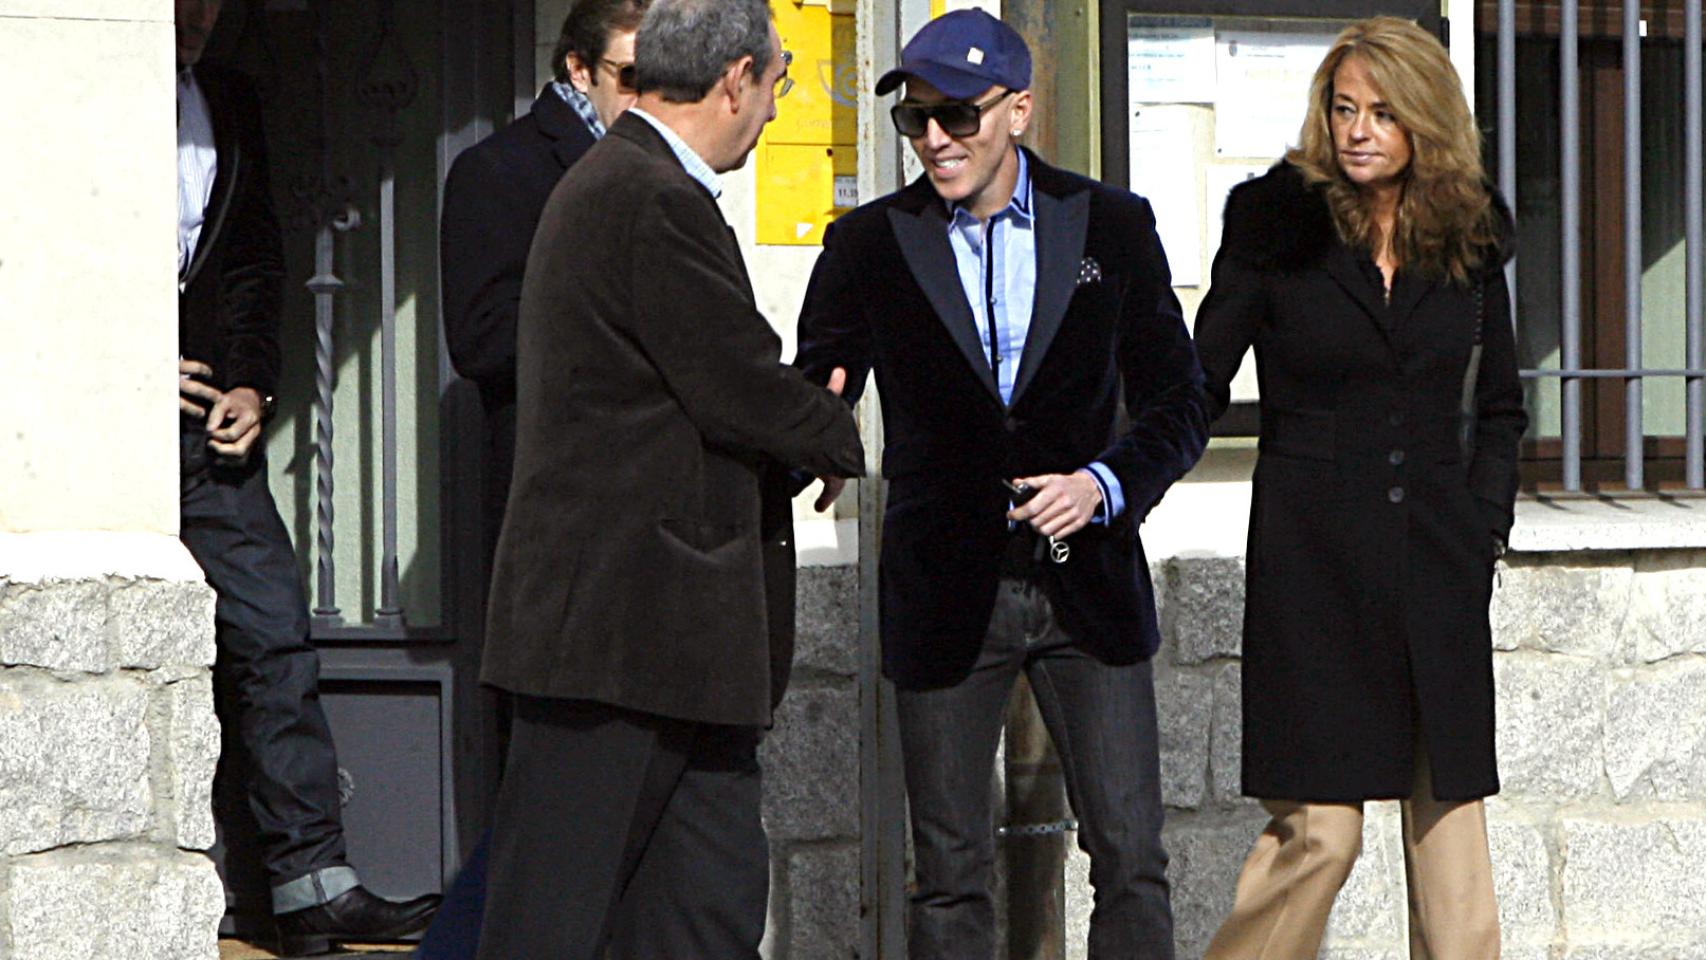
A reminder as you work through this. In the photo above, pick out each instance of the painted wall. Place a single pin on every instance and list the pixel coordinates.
(88, 440)
(107, 735)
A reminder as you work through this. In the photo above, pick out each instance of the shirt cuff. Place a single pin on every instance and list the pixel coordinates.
(1113, 495)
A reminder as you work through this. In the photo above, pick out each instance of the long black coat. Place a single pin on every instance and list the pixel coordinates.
(1371, 544)
(1106, 333)
(645, 560)
(492, 201)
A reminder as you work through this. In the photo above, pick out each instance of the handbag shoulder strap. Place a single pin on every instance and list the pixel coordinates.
(1472, 373)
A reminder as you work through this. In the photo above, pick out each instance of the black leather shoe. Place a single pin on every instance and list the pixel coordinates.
(354, 915)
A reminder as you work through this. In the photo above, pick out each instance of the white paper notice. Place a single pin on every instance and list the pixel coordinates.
(1162, 171)
(1263, 89)
(1218, 181)
(1170, 60)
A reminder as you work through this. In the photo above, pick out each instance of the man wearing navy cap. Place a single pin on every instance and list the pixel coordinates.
(1010, 311)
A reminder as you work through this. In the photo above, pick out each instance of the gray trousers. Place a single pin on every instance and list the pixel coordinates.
(1102, 721)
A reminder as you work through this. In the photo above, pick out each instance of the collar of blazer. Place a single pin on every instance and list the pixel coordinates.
(920, 226)
(557, 120)
(643, 135)
(228, 162)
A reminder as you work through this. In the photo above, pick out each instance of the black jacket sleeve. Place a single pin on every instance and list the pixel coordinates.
(1500, 417)
(1227, 323)
(251, 279)
(484, 235)
(832, 330)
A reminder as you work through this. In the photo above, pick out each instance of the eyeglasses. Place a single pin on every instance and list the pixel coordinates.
(784, 83)
(624, 73)
(957, 118)
(626, 76)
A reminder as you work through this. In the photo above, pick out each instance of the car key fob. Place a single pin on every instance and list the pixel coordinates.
(1021, 492)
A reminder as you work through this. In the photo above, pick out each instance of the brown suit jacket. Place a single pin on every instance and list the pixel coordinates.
(646, 560)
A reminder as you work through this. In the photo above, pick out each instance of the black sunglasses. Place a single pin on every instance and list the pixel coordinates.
(957, 118)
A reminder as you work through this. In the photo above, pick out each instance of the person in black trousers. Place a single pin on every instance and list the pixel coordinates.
(492, 201)
(642, 602)
(266, 676)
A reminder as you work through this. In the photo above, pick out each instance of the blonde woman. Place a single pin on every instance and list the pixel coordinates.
(1365, 271)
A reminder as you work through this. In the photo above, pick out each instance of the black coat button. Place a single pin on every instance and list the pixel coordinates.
(1396, 494)
(1395, 418)
(1012, 425)
(1396, 458)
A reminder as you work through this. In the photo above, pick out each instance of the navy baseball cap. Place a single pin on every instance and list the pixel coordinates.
(962, 54)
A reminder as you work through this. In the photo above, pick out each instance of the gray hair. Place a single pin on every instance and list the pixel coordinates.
(684, 46)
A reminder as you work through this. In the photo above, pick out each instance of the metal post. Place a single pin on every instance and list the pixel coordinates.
(1569, 83)
(389, 86)
(332, 212)
(325, 286)
(882, 794)
(1696, 259)
(389, 612)
(1507, 125)
(1634, 431)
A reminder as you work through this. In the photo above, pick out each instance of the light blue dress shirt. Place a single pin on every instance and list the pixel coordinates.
(997, 261)
(694, 164)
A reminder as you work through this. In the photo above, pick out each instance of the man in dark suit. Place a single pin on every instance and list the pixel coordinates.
(492, 200)
(1039, 393)
(642, 601)
(266, 677)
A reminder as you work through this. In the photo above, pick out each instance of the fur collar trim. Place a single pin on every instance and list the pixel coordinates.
(1278, 221)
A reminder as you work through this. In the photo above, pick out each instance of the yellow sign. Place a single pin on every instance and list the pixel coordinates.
(802, 188)
(806, 160)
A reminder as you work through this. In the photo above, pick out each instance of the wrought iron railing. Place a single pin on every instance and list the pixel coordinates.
(325, 200)
(1570, 372)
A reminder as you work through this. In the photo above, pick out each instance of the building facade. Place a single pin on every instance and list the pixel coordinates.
(106, 737)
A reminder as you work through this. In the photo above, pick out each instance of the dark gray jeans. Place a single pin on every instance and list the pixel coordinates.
(277, 742)
(1102, 721)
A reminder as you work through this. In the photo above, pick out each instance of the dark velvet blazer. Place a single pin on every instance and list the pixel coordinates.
(1108, 373)
(646, 559)
(492, 200)
(228, 310)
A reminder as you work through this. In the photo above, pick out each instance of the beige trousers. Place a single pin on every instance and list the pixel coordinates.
(1307, 850)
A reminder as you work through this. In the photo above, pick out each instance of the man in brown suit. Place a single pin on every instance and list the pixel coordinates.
(642, 601)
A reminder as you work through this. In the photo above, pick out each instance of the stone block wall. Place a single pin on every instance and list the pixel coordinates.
(1599, 835)
(811, 779)
(1598, 838)
(107, 747)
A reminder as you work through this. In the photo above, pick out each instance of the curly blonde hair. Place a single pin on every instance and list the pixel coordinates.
(1446, 221)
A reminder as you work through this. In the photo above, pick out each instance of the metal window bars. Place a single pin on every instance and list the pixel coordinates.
(1633, 373)
(388, 86)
